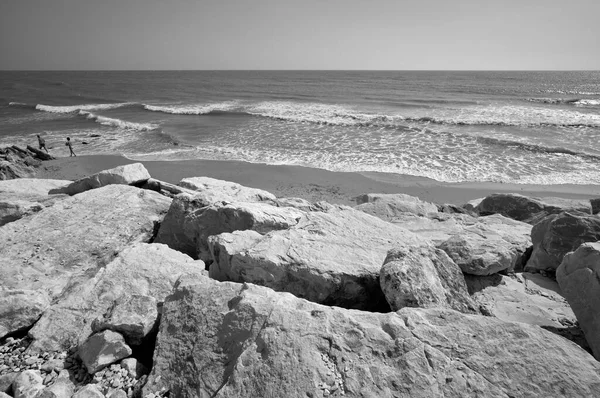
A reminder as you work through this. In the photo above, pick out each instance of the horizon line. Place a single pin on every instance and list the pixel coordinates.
(299, 70)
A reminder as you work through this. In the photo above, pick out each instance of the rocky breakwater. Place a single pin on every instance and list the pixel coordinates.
(104, 293)
(16, 162)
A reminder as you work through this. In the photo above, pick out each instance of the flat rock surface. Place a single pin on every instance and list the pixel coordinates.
(389, 207)
(228, 340)
(55, 249)
(214, 190)
(142, 269)
(332, 258)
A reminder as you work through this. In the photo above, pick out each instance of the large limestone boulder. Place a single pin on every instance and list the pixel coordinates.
(424, 277)
(250, 341)
(128, 174)
(390, 206)
(529, 210)
(142, 269)
(332, 258)
(189, 222)
(24, 196)
(578, 277)
(524, 297)
(52, 251)
(558, 234)
(479, 245)
(213, 190)
(16, 162)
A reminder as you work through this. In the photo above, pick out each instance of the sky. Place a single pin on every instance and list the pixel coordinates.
(300, 34)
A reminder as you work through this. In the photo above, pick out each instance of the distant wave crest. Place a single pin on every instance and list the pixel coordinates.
(202, 109)
(84, 107)
(107, 121)
(568, 101)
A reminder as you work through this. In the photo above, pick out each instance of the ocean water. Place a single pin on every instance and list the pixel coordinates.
(514, 127)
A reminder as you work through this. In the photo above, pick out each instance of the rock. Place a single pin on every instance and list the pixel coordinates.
(17, 163)
(117, 394)
(332, 258)
(255, 342)
(61, 388)
(489, 245)
(558, 234)
(595, 203)
(389, 206)
(25, 196)
(134, 316)
(298, 203)
(103, 349)
(54, 250)
(4, 395)
(53, 365)
(525, 297)
(189, 222)
(6, 381)
(23, 308)
(27, 384)
(423, 277)
(223, 246)
(578, 277)
(529, 210)
(89, 391)
(134, 368)
(142, 269)
(40, 154)
(128, 174)
(213, 190)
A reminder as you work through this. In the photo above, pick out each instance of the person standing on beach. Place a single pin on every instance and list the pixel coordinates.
(42, 143)
(68, 143)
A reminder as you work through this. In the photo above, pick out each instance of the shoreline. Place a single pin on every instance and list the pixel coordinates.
(310, 183)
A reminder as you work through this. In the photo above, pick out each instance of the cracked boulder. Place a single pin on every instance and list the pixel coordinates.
(128, 174)
(332, 258)
(118, 297)
(579, 277)
(51, 252)
(230, 340)
(190, 222)
(424, 277)
(558, 234)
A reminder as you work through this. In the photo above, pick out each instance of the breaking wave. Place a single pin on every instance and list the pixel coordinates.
(200, 109)
(559, 101)
(107, 121)
(84, 107)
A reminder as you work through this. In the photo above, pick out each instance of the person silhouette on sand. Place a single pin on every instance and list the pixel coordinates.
(42, 143)
(68, 143)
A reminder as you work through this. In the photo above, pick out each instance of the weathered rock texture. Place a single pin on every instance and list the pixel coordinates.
(142, 269)
(479, 245)
(128, 174)
(579, 278)
(103, 349)
(189, 222)
(226, 340)
(54, 250)
(213, 190)
(424, 277)
(529, 210)
(16, 162)
(389, 207)
(558, 234)
(24, 196)
(524, 297)
(332, 258)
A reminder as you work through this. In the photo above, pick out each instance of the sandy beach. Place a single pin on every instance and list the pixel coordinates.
(311, 183)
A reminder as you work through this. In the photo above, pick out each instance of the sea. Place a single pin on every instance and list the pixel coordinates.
(451, 126)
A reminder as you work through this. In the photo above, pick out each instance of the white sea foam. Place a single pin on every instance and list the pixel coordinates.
(198, 109)
(84, 107)
(588, 102)
(107, 121)
(318, 113)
